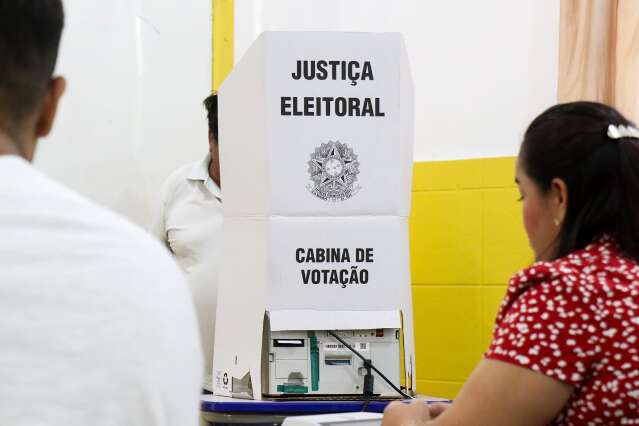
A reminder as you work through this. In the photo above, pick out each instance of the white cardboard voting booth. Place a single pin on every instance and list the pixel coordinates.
(316, 142)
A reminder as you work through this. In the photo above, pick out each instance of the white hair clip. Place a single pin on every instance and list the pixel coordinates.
(621, 131)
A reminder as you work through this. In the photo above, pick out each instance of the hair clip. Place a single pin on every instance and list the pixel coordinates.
(621, 131)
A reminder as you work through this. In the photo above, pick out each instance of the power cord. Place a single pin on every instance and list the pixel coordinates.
(368, 379)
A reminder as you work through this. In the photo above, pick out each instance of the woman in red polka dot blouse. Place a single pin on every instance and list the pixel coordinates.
(565, 347)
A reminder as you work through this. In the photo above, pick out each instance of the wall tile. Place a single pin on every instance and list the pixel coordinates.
(435, 176)
(498, 172)
(469, 174)
(491, 298)
(505, 246)
(445, 231)
(448, 331)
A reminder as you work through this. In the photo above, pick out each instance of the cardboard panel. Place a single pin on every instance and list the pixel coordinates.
(318, 124)
(354, 263)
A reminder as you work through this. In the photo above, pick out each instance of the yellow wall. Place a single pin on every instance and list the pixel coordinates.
(466, 241)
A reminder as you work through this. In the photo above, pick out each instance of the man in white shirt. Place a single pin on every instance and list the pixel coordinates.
(189, 222)
(96, 323)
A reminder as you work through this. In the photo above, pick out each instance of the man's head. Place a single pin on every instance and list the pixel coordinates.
(210, 103)
(29, 38)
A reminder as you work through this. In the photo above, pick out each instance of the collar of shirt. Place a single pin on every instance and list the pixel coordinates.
(200, 172)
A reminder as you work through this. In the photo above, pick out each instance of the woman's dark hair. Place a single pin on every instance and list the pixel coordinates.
(569, 141)
(210, 103)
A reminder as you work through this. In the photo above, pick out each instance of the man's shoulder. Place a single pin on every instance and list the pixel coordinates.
(48, 210)
(74, 268)
(177, 179)
(182, 172)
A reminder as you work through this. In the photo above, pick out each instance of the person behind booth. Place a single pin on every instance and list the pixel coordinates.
(189, 223)
(85, 338)
(565, 348)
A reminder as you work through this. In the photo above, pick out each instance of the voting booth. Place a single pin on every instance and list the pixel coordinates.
(316, 142)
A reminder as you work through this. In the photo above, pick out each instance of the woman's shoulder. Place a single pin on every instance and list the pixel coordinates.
(600, 260)
(597, 271)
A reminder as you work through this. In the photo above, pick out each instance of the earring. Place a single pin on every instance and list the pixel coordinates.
(556, 222)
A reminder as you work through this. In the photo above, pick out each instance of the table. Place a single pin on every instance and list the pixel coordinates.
(224, 411)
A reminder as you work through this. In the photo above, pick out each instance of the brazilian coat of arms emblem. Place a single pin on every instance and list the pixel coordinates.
(333, 169)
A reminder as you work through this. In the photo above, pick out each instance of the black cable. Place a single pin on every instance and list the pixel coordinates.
(368, 362)
(367, 400)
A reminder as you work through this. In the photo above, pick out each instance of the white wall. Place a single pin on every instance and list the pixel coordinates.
(137, 73)
(482, 69)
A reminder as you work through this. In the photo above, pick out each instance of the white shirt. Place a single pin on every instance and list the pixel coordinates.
(96, 326)
(190, 224)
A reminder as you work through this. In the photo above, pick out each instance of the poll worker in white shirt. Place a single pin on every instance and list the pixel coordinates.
(189, 223)
(97, 326)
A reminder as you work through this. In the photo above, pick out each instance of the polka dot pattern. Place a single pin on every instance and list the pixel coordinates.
(576, 319)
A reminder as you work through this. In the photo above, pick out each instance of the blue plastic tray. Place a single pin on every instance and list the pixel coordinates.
(293, 407)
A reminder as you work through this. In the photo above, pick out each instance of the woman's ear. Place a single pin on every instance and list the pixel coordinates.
(559, 200)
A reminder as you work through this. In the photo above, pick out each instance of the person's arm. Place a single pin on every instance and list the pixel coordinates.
(538, 355)
(507, 394)
(497, 393)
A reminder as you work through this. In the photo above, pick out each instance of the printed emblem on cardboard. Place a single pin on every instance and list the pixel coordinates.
(333, 170)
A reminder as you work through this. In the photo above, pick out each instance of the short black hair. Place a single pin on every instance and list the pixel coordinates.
(29, 39)
(570, 141)
(210, 103)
